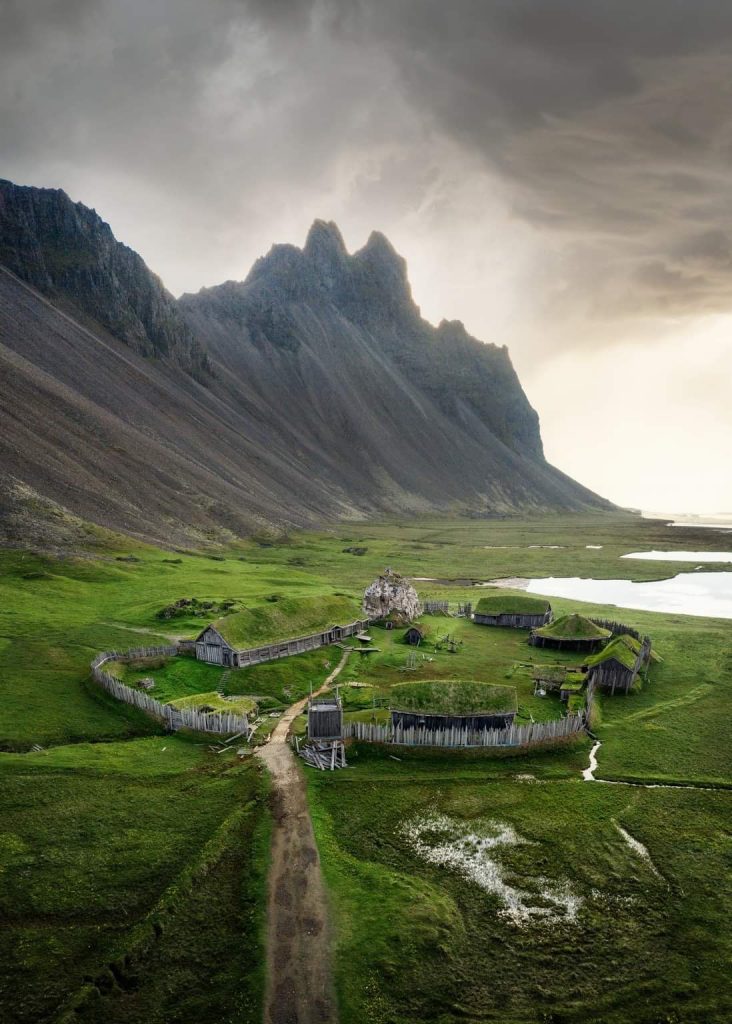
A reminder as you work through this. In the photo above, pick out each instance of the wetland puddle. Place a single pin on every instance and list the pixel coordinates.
(452, 844)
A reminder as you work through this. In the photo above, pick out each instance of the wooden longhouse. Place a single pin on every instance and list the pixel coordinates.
(446, 705)
(517, 611)
(219, 643)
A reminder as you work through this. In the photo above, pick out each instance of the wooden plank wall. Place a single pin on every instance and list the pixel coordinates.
(515, 736)
(286, 648)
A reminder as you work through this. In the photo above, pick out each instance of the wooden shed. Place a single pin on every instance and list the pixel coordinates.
(325, 718)
(517, 611)
(445, 704)
(616, 667)
(572, 633)
(414, 636)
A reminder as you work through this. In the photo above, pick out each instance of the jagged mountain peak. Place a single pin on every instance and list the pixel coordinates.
(324, 242)
(326, 392)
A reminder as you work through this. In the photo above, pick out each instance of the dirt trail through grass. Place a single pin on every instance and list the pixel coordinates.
(299, 981)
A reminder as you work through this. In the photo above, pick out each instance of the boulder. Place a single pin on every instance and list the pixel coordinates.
(392, 595)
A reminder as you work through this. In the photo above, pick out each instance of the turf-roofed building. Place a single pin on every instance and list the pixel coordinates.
(278, 630)
(618, 665)
(570, 632)
(519, 611)
(445, 704)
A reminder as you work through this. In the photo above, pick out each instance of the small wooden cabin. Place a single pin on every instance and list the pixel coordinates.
(517, 611)
(325, 718)
(616, 668)
(570, 632)
(414, 636)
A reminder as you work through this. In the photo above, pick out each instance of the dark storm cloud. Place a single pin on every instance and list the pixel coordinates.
(607, 123)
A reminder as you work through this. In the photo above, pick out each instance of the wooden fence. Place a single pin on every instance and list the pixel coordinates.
(174, 718)
(514, 736)
(617, 628)
(436, 607)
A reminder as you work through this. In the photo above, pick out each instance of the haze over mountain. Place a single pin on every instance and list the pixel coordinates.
(312, 390)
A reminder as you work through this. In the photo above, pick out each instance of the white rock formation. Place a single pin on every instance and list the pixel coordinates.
(391, 593)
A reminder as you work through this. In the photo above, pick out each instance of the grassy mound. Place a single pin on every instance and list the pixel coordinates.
(501, 603)
(214, 701)
(286, 619)
(574, 627)
(444, 697)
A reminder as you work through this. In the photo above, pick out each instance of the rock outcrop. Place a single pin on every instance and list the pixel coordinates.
(68, 253)
(392, 597)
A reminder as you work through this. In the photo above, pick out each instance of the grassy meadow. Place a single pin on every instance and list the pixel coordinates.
(133, 862)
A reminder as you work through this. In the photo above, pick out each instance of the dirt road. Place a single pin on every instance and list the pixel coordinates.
(299, 980)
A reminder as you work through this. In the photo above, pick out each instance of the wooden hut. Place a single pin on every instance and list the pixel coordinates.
(616, 667)
(558, 679)
(325, 718)
(444, 704)
(572, 633)
(414, 636)
(517, 611)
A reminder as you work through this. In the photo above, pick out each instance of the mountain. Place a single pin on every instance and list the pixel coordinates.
(311, 391)
(67, 251)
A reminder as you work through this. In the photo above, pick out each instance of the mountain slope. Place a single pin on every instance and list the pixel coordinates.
(68, 253)
(311, 391)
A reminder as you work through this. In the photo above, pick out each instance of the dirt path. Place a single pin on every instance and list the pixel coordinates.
(299, 982)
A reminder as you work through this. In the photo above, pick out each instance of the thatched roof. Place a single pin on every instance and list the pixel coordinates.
(500, 602)
(447, 697)
(573, 627)
(286, 619)
(623, 649)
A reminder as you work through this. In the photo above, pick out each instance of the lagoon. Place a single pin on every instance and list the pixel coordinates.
(682, 556)
(698, 593)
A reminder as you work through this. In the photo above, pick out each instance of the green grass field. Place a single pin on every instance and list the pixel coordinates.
(133, 862)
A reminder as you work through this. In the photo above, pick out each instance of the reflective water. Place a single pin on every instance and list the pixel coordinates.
(698, 593)
(682, 556)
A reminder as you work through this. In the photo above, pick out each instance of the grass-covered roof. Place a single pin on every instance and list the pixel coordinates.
(499, 602)
(447, 697)
(286, 619)
(573, 627)
(624, 649)
(214, 700)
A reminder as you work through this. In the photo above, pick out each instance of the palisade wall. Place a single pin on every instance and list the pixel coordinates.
(514, 736)
(174, 718)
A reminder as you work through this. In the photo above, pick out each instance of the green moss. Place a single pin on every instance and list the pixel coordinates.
(443, 697)
(235, 705)
(574, 627)
(286, 619)
(502, 603)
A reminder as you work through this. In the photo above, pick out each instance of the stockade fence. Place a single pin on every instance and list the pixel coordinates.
(436, 607)
(513, 736)
(221, 723)
(617, 628)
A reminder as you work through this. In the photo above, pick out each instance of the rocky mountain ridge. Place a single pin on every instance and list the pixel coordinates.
(310, 392)
(69, 254)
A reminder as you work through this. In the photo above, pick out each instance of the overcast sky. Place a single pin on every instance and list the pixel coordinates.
(557, 174)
